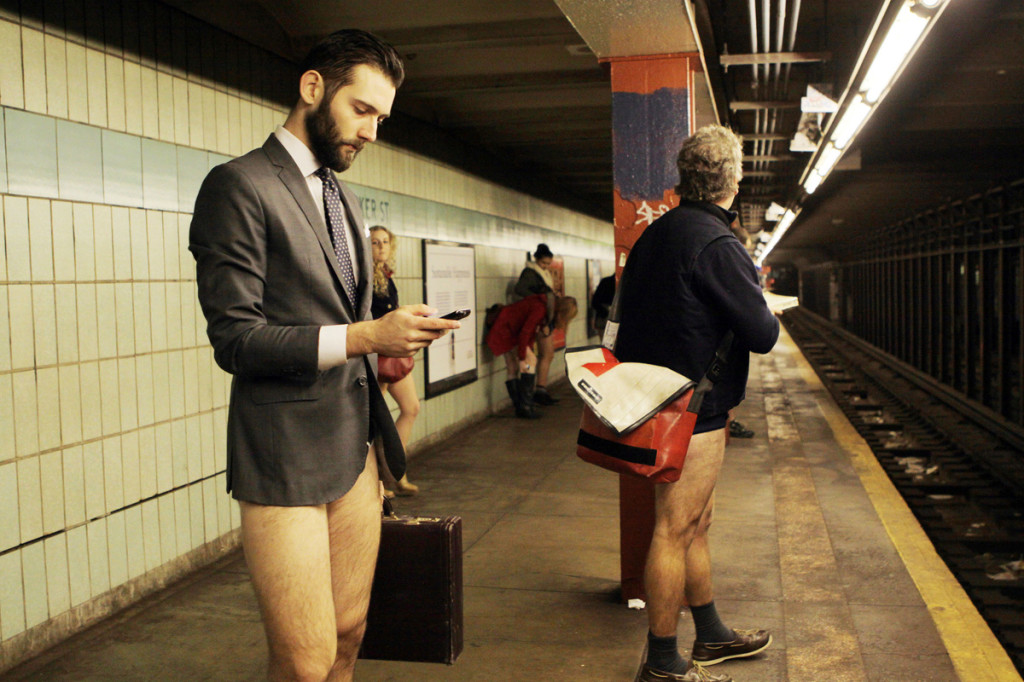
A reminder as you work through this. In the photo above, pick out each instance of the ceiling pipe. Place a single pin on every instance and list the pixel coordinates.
(753, 40)
(766, 28)
(791, 45)
(780, 30)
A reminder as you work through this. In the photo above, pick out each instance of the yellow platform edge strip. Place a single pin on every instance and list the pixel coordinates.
(975, 652)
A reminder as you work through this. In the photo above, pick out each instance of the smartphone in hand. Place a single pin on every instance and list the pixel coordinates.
(456, 314)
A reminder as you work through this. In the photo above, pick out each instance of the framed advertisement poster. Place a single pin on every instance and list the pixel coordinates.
(449, 283)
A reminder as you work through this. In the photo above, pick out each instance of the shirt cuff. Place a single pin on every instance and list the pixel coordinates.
(332, 350)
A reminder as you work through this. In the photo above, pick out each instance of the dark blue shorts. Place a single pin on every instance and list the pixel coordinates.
(712, 423)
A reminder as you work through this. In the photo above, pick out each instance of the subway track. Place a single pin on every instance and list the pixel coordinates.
(960, 470)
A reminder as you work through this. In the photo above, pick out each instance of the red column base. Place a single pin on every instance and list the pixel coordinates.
(636, 528)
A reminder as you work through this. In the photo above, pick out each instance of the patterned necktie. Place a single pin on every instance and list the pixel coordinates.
(335, 214)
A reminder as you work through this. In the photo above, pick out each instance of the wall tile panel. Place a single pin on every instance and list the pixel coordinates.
(31, 153)
(58, 582)
(56, 76)
(122, 169)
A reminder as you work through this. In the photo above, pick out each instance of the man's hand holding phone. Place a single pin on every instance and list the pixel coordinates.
(400, 333)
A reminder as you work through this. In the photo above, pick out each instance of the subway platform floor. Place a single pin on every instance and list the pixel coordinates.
(808, 541)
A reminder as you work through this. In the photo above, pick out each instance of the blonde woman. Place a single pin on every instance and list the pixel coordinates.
(393, 374)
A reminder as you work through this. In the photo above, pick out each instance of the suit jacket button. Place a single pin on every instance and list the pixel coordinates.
(361, 381)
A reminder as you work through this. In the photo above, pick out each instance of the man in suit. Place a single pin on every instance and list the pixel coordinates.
(284, 274)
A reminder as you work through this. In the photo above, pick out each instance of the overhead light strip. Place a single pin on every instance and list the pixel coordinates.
(902, 38)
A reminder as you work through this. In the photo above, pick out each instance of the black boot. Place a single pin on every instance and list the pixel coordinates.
(514, 392)
(542, 397)
(526, 384)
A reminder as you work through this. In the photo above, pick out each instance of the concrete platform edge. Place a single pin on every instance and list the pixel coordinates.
(974, 650)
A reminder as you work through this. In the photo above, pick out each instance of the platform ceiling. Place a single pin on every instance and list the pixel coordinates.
(514, 89)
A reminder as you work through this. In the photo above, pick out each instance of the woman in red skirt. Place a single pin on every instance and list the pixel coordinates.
(513, 334)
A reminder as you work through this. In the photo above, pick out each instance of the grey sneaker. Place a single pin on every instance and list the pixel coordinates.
(696, 673)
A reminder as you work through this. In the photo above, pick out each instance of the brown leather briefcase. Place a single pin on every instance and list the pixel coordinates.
(416, 603)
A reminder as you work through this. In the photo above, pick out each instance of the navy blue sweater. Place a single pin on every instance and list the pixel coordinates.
(687, 281)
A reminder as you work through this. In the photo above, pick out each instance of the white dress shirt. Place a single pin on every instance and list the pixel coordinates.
(333, 338)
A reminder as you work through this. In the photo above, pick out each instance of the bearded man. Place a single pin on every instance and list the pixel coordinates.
(285, 282)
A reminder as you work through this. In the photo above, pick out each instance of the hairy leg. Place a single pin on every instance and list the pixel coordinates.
(287, 552)
(698, 561)
(679, 508)
(354, 532)
(404, 393)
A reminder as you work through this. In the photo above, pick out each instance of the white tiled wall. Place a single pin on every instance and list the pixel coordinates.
(112, 410)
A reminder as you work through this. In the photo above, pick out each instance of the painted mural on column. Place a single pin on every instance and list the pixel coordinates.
(650, 120)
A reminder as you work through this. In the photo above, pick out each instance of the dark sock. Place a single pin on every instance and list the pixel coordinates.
(663, 654)
(709, 626)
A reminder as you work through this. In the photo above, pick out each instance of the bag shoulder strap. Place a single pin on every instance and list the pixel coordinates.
(714, 370)
(713, 373)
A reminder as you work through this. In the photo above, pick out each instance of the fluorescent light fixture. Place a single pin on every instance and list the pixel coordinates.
(899, 41)
(827, 160)
(812, 182)
(850, 122)
(784, 224)
(774, 212)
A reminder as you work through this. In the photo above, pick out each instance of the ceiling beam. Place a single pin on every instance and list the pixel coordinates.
(727, 60)
(530, 116)
(495, 34)
(588, 134)
(506, 82)
(753, 106)
(754, 158)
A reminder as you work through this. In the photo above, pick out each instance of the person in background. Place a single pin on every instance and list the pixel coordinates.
(536, 279)
(601, 303)
(395, 374)
(284, 274)
(736, 428)
(513, 333)
(686, 283)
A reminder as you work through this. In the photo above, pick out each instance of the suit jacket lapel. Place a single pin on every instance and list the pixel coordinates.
(289, 174)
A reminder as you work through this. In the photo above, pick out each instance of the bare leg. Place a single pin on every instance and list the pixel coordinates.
(512, 365)
(679, 509)
(545, 353)
(404, 393)
(289, 552)
(529, 362)
(699, 589)
(354, 528)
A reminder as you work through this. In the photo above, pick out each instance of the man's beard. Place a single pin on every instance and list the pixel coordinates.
(327, 142)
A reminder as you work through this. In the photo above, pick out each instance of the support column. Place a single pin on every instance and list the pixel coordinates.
(652, 113)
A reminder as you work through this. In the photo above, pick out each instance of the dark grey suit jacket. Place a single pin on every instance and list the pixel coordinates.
(268, 280)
